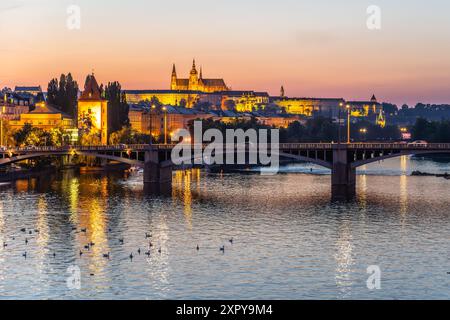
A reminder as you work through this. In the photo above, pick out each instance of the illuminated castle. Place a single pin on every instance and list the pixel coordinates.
(196, 82)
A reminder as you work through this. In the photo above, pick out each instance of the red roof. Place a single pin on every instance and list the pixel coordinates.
(91, 90)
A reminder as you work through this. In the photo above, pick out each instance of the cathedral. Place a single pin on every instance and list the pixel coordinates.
(196, 82)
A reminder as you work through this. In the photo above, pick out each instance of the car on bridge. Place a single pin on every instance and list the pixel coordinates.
(418, 143)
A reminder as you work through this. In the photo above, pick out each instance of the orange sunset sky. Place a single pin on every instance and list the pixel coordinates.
(314, 48)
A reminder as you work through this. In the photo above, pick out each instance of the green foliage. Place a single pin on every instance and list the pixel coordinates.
(63, 94)
(85, 123)
(117, 106)
(126, 135)
(431, 131)
(91, 138)
(314, 130)
(32, 136)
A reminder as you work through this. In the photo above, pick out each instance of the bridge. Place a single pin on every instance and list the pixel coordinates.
(341, 159)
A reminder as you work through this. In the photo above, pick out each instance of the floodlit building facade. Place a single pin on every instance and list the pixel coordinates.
(93, 108)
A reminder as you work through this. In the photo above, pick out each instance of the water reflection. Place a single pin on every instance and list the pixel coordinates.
(285, 223)
(344, 260)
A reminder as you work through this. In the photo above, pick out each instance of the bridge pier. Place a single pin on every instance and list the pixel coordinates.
(157, 173)
(343, 176)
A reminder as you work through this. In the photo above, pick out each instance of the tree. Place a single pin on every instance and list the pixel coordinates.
(389, 108)
(154, 101)
(63, 94)
(117, 107)
(92, 138)
(126, 135)
(33, 136)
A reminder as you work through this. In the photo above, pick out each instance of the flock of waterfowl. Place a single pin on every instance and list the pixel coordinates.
(88, 246)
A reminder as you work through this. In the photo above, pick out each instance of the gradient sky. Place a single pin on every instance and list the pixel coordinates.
(316, 48)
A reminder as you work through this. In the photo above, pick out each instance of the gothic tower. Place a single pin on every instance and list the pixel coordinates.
(173, 82)
(193, 78)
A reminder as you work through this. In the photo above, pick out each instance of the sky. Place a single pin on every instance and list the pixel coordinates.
(314, 48)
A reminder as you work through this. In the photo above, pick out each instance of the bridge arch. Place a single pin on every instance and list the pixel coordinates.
(18, 158)
(322, 163)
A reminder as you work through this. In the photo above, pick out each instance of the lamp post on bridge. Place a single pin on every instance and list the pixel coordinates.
(165, 124)
(341, 104)
(348, 123)
(152, 108)
(1, 128)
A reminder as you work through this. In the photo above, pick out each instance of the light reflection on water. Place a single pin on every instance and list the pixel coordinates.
(290, 240)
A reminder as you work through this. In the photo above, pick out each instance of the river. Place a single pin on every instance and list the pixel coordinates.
(290, 241)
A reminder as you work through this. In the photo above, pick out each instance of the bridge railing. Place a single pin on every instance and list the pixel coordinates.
(401, 146)
(281, 146)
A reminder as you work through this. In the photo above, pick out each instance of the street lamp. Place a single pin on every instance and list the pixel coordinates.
(1, 128)
(341, 104)
(153, 107)
(165, 124)
(348, 123)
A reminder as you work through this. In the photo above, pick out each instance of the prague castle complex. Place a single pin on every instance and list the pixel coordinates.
(196, 82)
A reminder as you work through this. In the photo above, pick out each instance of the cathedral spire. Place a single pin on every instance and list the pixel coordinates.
(201, 73)
(173, 79)
(194, 70)
(174, 70)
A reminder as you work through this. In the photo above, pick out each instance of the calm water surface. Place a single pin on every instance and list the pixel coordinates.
(290, 240)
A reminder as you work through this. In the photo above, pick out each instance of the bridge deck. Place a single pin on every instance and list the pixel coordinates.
(281, 146)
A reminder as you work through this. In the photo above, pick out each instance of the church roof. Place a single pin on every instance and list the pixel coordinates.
(45, 108)
(213, 82)
(91, 90)
(32, 89)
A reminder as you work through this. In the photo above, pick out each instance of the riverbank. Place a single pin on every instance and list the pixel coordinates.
(425, 174)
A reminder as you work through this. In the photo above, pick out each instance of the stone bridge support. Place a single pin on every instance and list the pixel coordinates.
(157, 173)
(343, 176)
